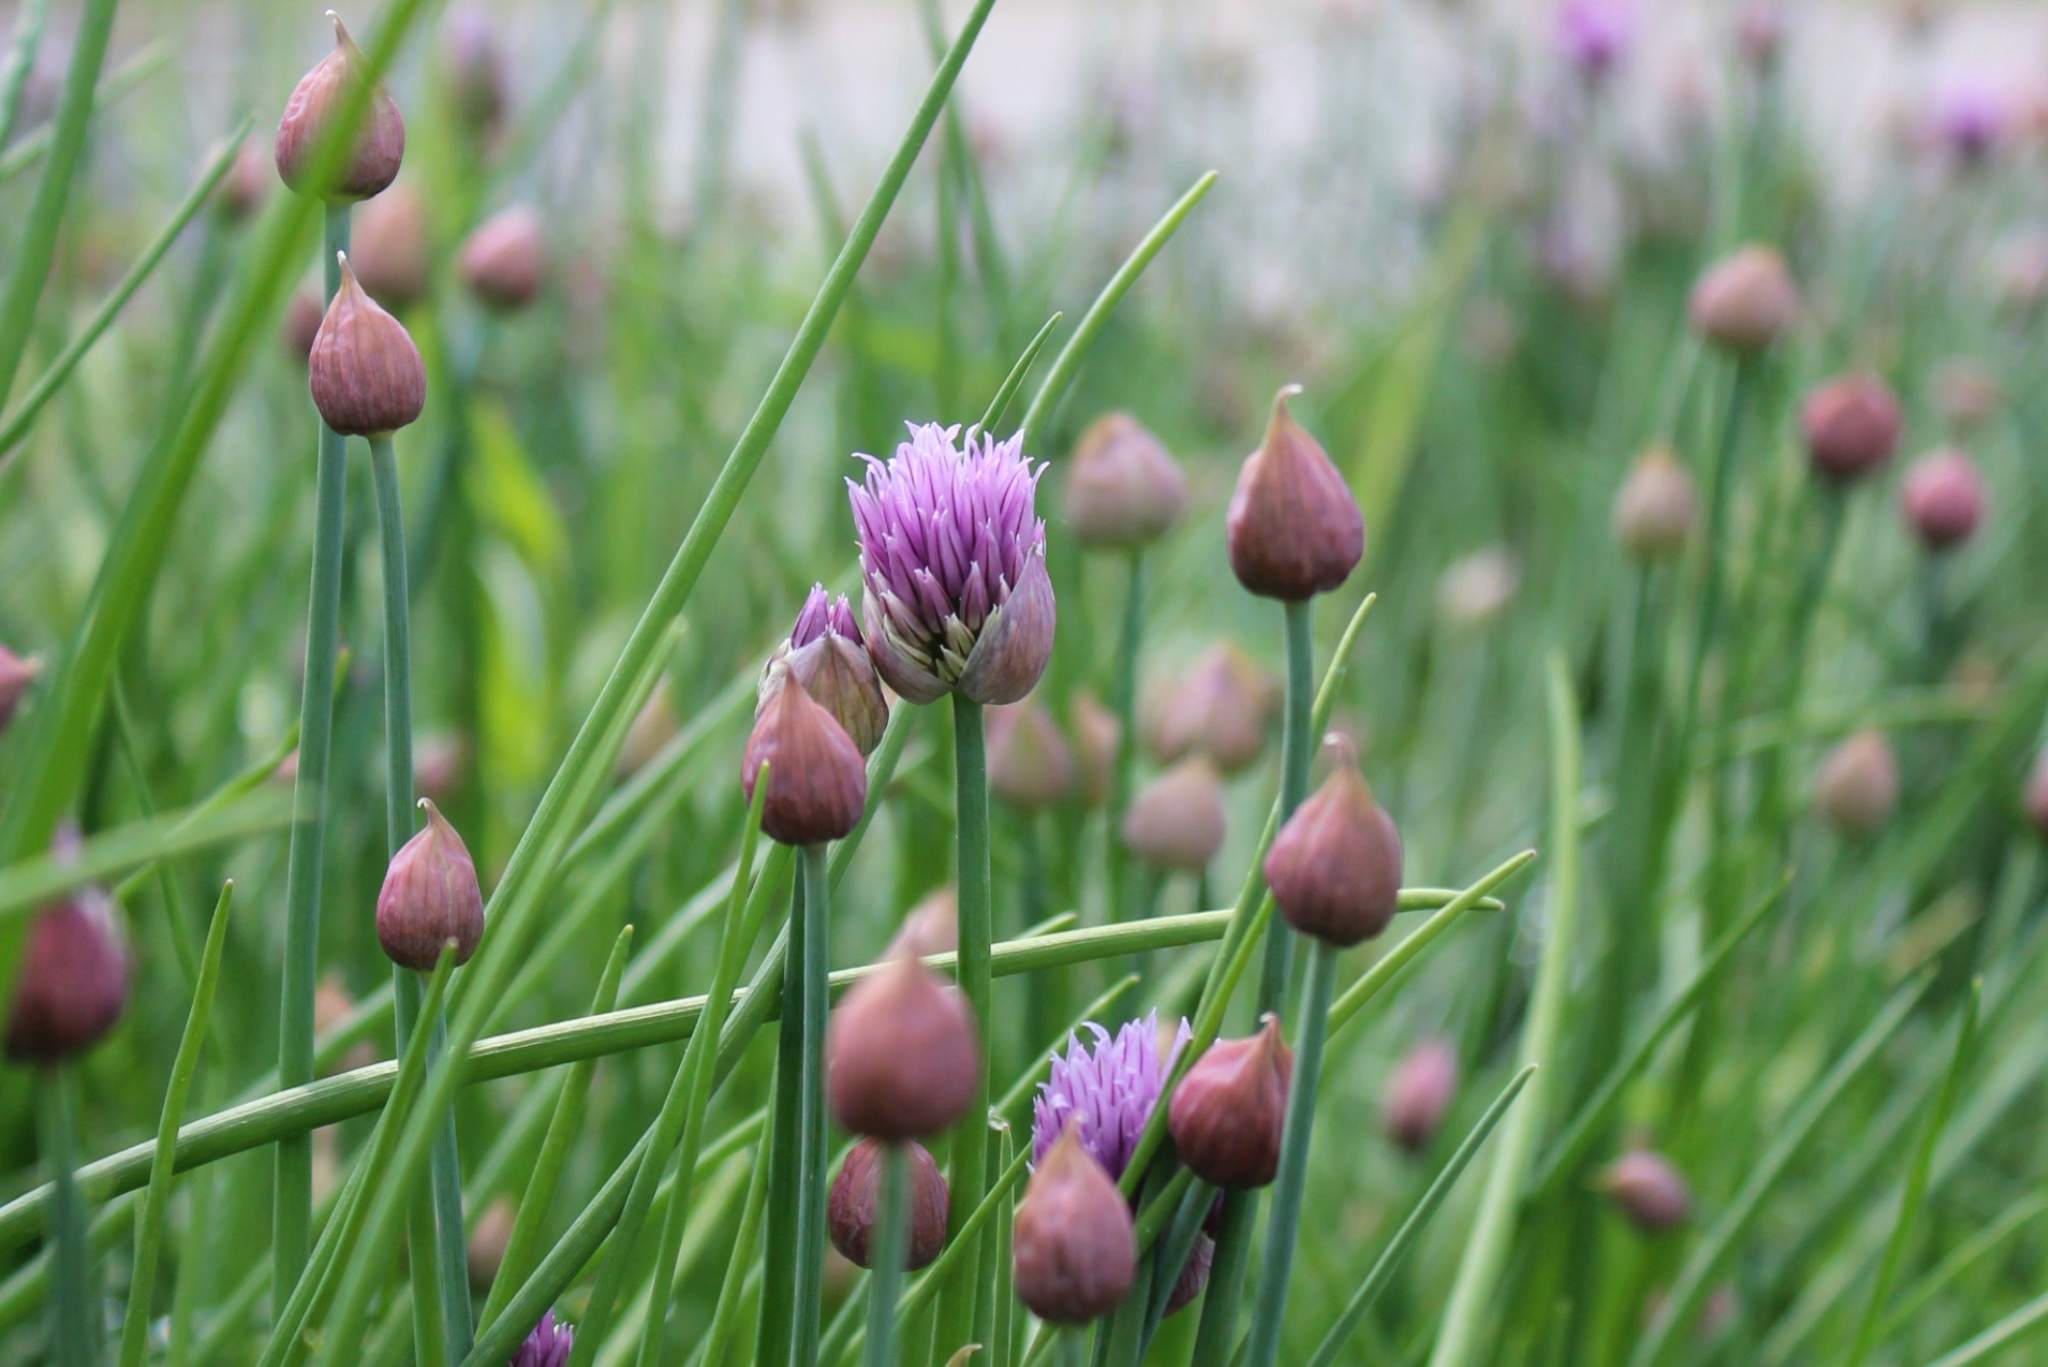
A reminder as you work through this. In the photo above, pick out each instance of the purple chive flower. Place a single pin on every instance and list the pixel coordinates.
(547, 1346)
(1595, 34)
(952, 553)
(1110, 1087)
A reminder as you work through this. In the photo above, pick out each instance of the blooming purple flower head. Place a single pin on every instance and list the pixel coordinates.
(1109, 1087)
(1595, 34)
(547, 1346)
(952, 553)
(822, 613)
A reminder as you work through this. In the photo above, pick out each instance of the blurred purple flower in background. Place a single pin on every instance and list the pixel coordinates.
(1969, 121)
(1110, 1087)
(548, 1345)
(1595, 34)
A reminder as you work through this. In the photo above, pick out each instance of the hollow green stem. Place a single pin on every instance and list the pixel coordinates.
(1124, 700)
(885, 1283)
(1296, 745)
(785, 1147)
(970, 1151)
(810, 1224)
(292, 1209)
(71, 1336)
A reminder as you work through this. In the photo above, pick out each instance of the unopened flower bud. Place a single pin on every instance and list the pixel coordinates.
(437, 763)
(473, 59)
(1074, 1247)
(74, 980)
(1851, 426)
(1649, 1190)
(1858, 784)
(824, 653)
(504, 262)
(1096, 732)
(1656, 507)
(1970, 121)
(850, 1205)
(1029, 764)
(365, 373)
(902, 1058)
(430, 897)
(1194, 1275)
(1177, 820)
(1746, 301)
(488, 1242)
(1294, 530)
(1475, 589)
(1335, 867)
(1229, 1113)
(321, 97)
(2034, 798)
(388, 247)
(1123, 489)
(1594, 35)
(930, 927)
(818, 783)
(1943, 499)
(240, 192)
(1219, 708)
(1419, 1093)
(17, 676)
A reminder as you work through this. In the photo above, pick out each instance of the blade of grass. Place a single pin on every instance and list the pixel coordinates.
(33, 145)
(26, 885)
(1014, 381)
(2000, 1336)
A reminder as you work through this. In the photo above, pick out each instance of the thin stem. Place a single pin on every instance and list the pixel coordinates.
(1296, 745)
(810, 1217)
(1284, 1229)
(71, 1336)
(970, 1151)
(292, 1210)
(885, 1280)
(1124, 699)
(778, 1284)
(1711, 591)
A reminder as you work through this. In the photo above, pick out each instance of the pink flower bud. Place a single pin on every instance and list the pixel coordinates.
(1177, 820)
(1294, 530)
(430, 897)
(902, 1057)
(930, 927)
(320, 98)
(1123, 489)
(1745, 302)
(1074, 1247)
(1656, 507)
(1219, 708)
(850, 1214)
(1649, 1190)
(17, 676)
(825, 654)
(1335, 867)
(365, 373)
(1419, 1093)
(1229, 1113)
(1858, 784)
(240, 193)
(389, 248)
(1851, 426)
(74, 980)
(1943, 499)
(818, 785)
(1029, 764)
(504, 262)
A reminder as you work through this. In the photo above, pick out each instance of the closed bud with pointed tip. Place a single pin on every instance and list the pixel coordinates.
(73, 982)
(430, 897)
(818, 783)
(1649, 1190)
(1123, 489)
(504, 262)
(321, 97)
(1943, 499)
(1096, 731)
(365, 373)
(1335, 867)
(2034, 798)
(1219, 708)
(1656, 507)
(1858, 784)
(850, 1205)
(17, 676)
(1851, 426)
(1746, 301)
(1419, 1093)
(1029, 764)
(902, 1058)
(388, 247)
(1074, 1247)
(1294, 530)
(1177, 820)
(825, 654)
(1229, 1113)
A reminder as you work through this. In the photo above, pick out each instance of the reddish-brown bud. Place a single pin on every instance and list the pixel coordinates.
(1335, 867)
(1858, 784)
(389, 247)
(430, 897)
(902, 1058)
(1177, 820)
(1943, 499)
(2034, 797)
(320, 98)
(1656, 507)
(1851, 426)
(930, 927)
(1419, 1093)
(1074, 1247)
(1649, 1190)
(504, 262)
(1123, 489)
(1294, 530)
(1229, 1113)
(850, 1205)
(74, 980)
(1219, 708)
(302, 318)
(241, 191)
(1096, 732)
(365, 373)
(1029, 764)
(487, 1245)
(1746, 301)
(818, 785)
(17, 676)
